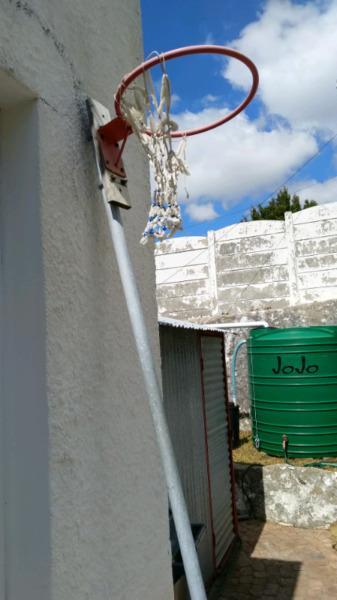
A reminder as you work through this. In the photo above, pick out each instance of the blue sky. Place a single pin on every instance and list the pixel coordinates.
(294, 46)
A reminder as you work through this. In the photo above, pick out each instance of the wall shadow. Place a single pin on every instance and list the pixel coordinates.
(246, 576)
(250, 497)
(257, 569)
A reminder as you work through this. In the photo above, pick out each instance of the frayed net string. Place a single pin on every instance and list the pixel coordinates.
(144, 112)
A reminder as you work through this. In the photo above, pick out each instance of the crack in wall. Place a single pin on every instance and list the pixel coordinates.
(59, 46)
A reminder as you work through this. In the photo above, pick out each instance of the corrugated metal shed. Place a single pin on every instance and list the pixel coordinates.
(187, 325)
(195, 399)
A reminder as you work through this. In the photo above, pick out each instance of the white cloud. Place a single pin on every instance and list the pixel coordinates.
(209, 39)
(201, 212)
(294, 46)
(240, 158)
(295, 49)
(322, 192)
(209, 99)
(175, 99)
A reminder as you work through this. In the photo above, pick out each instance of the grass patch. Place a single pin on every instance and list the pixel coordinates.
(247, 454)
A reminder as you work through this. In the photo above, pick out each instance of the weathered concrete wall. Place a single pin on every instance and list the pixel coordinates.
(83, 501)
(298, 496)
(250, 266)
(283, 272)
(182, 277)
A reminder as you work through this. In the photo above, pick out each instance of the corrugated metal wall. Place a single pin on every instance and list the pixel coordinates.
(218, 451)
(183, 397)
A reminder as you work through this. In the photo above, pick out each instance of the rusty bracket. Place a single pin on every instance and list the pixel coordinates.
(109, 137)
(110, 166)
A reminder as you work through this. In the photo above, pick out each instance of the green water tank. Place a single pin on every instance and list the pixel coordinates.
(293, 390)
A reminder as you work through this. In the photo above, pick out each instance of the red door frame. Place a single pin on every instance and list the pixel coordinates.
(234, 514)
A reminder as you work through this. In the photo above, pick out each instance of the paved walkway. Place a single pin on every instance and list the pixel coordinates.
(280, 562)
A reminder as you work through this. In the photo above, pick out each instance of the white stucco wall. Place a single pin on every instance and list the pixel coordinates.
(247, 267)
(83, 502)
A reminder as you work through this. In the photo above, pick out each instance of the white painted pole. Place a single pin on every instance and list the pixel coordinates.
(175, 492)
(99, 115)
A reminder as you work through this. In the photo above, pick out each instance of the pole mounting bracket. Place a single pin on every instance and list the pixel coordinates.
(107, 134)
(109, 137)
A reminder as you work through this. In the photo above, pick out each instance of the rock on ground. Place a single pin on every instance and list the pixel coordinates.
(298, 496)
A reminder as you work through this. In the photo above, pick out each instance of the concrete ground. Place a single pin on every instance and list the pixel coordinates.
(281, 563)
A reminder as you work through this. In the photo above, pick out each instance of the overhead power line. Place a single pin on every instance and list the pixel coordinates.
(270, 195)
(276, 190)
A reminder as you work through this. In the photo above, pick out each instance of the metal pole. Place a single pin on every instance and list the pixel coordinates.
(175, 492)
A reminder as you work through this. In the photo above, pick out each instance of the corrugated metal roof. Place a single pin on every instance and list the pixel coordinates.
(167, 321)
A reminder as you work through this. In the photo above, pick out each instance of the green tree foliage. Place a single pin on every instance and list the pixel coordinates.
(277, 206)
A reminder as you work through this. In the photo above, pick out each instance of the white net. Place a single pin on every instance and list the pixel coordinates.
(145, 112)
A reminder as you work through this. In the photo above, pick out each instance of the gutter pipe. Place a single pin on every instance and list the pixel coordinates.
(234, 371)
(238, 347)
(238, 324)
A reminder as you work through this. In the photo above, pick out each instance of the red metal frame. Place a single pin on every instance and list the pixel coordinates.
(207, 453)
(188, 50)
(118, 129)
(226, 400)
(229, 426)
(109, 136)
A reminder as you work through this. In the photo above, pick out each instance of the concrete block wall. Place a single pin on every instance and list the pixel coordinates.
(250, 266)
(315, 250)
(182, 277)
